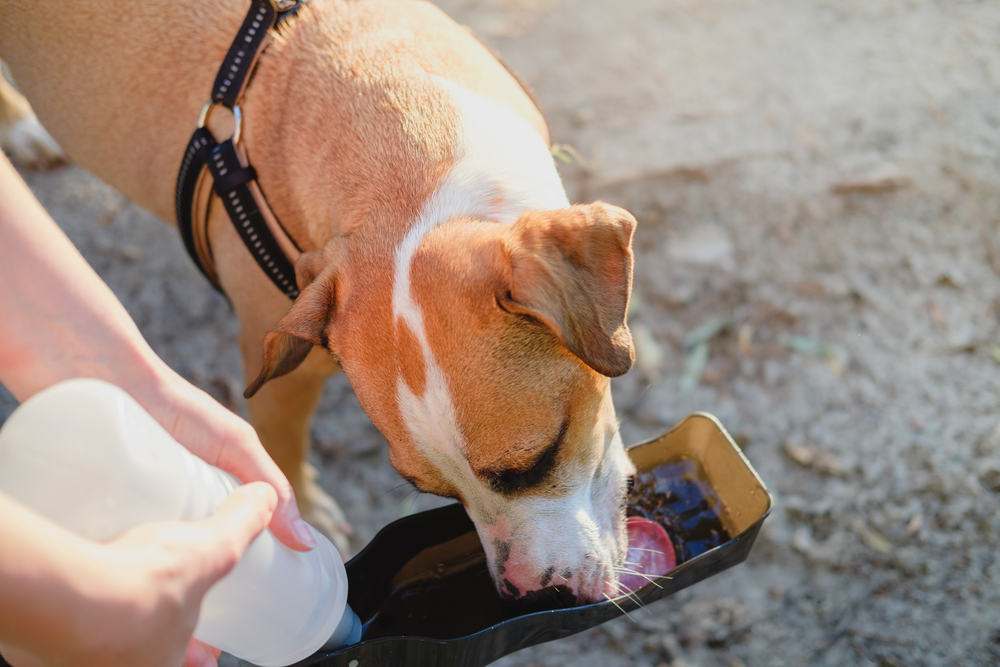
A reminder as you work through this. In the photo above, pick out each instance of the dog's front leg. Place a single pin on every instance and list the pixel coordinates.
(282, 410)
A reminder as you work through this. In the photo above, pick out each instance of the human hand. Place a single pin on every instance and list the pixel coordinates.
(135, 600)
(225, 440)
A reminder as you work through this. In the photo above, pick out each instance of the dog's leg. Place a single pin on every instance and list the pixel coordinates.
(282, 414)
(21, 135)
(283, 408)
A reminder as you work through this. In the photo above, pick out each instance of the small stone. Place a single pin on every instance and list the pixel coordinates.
(714, 622)
(990, 477)
(664, 644)
(802, 540)
(910, 561)
(130, 253)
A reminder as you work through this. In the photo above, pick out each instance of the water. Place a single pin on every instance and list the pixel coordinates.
(677, 497)
(455, 597)
(446, 591)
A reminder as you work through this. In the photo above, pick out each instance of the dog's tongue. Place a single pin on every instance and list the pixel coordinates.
(650, 553)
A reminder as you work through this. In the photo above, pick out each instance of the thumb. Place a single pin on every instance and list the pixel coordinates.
(237, 522)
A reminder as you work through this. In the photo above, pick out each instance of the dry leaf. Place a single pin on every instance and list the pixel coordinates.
(834, 364)
(694, 368)
(881, 179)
(994, 351)
(707, 330)
(744, 340)
(815, 459)
(874, 539)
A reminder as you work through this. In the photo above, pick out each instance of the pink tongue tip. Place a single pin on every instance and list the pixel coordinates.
(650, 554)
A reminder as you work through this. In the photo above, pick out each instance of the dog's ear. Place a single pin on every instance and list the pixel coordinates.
(293, 337)
(311, 264)
(571, 269)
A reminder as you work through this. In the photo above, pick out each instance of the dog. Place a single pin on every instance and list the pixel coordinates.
(477, 314)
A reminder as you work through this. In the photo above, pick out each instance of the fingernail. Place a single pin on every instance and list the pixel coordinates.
(304, 533)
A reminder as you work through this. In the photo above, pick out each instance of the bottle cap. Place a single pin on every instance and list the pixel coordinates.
(348, 631)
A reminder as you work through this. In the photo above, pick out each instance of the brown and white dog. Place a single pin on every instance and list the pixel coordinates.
(476, 313)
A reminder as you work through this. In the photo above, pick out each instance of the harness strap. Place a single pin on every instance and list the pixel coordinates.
(195, 158)
(232, 185)
(234, 178)
(234, 74)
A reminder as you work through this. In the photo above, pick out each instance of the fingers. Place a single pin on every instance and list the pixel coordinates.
(228, 532)
(223, 439)
(244, 457)
(200, 654)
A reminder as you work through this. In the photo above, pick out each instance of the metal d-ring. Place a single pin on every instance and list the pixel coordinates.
(206, 111)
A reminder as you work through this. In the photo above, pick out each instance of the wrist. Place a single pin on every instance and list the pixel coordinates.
(55, 352)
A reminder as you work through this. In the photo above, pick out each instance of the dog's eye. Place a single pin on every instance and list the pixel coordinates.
(630, 484)
(510, 481)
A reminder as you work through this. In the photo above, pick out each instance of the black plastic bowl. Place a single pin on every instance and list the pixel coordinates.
(445, 538)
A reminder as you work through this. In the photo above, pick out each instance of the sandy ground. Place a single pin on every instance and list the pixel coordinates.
(816, 179)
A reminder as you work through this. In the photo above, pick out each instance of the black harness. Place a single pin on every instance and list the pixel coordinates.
(234, 180)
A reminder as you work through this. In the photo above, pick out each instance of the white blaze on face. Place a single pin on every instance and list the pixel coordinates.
(502, 168)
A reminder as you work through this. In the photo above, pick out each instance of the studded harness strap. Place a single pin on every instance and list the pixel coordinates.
(233, 179)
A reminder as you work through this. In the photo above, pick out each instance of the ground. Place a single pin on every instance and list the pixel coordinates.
(816, 183)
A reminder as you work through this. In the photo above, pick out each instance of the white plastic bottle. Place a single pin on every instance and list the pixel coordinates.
(84, 454)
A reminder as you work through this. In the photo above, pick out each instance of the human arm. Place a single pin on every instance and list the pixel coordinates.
(59, 321)
(131, 601)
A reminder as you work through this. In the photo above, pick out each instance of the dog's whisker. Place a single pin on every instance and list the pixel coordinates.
(648, 577)
(622, 590)
(398, 486)
(619, 607)
(404, 498)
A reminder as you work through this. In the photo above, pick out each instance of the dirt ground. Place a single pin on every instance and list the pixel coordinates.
(816, 182)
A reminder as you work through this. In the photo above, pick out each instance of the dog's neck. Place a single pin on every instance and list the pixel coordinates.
(362, 163)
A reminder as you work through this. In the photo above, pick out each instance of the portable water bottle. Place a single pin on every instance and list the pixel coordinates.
(84, 454)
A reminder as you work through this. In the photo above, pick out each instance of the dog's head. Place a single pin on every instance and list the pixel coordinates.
(485, 359)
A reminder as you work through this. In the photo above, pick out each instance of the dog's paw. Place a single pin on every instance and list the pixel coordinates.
(324, 514)
(30, 145)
